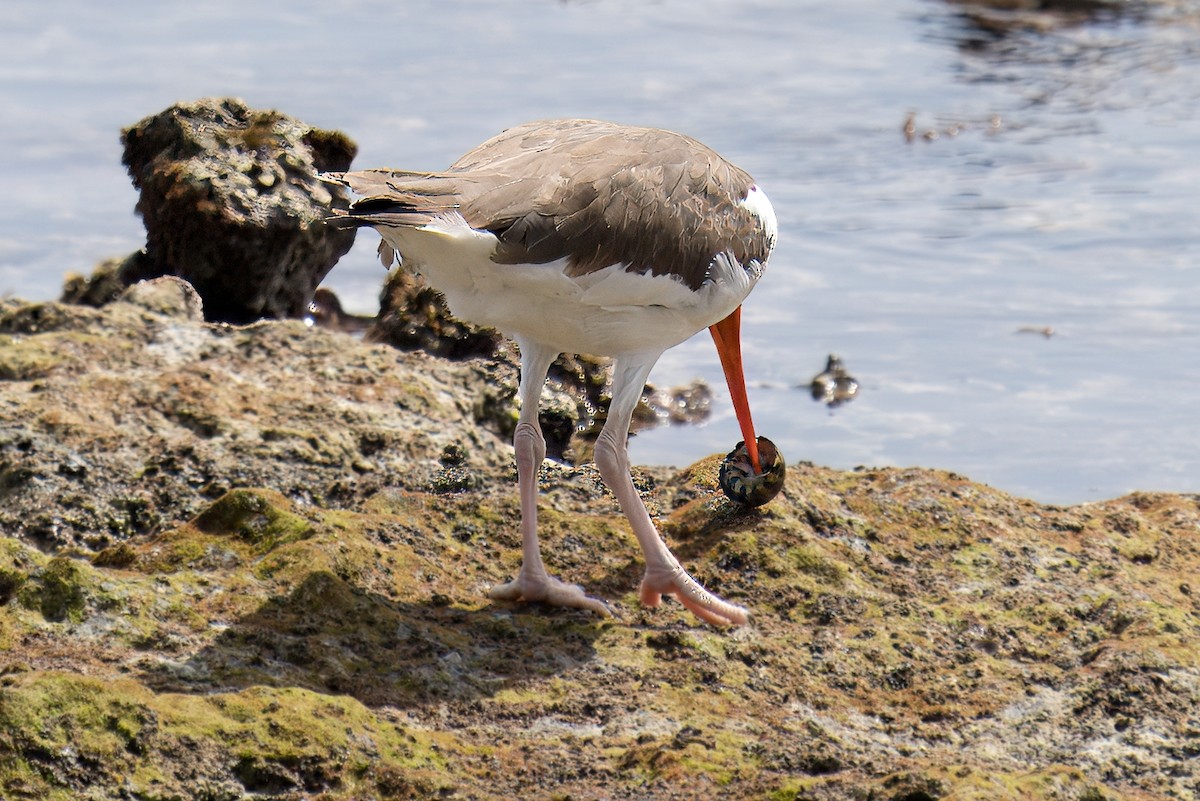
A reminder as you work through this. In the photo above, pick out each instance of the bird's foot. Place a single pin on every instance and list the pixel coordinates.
(675, 582)
(548, 590)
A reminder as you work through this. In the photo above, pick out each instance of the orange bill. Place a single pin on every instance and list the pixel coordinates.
(727, 334)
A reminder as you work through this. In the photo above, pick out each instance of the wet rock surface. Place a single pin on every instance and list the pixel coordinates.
(413, 316)
(252, 563)
(232, 203)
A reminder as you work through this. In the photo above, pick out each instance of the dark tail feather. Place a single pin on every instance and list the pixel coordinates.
(392, 198)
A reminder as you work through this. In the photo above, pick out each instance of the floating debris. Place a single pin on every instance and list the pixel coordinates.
(947, 126)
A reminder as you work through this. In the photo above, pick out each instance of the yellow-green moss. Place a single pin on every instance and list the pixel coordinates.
(260, 517)
(117, 728)
(24, 358)
(58, 591)
(814, 562)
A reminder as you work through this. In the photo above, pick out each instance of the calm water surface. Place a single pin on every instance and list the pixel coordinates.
(1061, 190)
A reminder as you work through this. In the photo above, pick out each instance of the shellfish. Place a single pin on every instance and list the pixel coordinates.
(739, 481)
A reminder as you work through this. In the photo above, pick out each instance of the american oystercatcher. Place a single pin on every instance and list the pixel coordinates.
(581, 236)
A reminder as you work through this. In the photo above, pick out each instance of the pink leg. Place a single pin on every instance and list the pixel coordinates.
(664, 574)
(533, 583)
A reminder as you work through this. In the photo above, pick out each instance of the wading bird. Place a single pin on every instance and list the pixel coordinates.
(581, 236)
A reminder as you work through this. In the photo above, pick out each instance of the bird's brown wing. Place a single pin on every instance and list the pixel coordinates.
(600, 194)
(593, 193)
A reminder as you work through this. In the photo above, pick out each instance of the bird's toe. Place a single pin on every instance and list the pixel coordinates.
(550, 591)
(677, 583)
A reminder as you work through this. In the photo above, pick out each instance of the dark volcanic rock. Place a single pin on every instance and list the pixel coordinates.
(232, 203)
(413, 316)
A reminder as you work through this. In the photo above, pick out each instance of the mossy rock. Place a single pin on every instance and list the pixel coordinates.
(259, 517)
(61, 734)
(57, 591)
(11, 581)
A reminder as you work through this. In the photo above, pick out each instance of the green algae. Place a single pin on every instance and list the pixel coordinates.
(277, 739)
(24, 358)
(259, 517)
(299, 651)
(813, 562)
(58, 591)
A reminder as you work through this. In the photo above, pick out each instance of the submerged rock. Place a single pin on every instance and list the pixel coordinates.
(232, 203)
(105, 284)
(833, 386)
(325, 311)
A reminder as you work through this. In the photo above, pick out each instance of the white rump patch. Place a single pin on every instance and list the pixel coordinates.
(757, 204)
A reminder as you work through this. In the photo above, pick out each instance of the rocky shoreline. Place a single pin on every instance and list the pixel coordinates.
(251, 562)
(248, 559)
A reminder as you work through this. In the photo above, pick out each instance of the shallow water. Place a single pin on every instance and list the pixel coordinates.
(1061, 190)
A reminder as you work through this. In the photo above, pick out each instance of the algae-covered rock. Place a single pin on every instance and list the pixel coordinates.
(252, 563)
(56, 591)
(117, 421)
